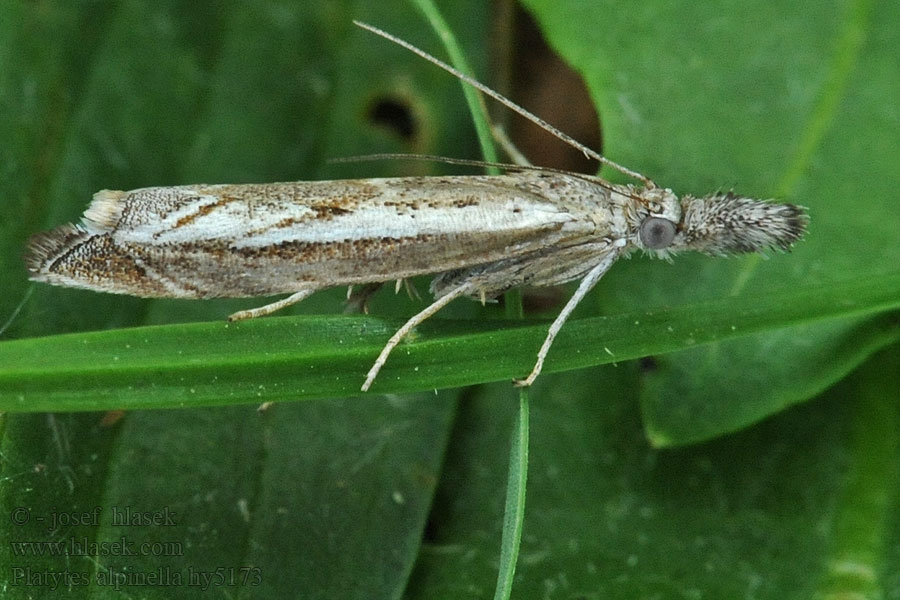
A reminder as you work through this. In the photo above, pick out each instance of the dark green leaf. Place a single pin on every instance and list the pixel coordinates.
(330, 498)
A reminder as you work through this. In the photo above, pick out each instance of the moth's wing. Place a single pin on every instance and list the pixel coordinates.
(261, 239)
(543, 268)
(354, 231)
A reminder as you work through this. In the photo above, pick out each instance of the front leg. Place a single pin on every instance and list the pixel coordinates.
(551, 267)
(462, 290)
(584, 287)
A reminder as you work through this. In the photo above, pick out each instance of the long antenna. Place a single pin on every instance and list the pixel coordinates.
(588, 152)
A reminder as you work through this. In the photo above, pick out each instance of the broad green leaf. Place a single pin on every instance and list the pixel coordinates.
(317, 500)
(329, 498)
(778, 101)
(801, 506)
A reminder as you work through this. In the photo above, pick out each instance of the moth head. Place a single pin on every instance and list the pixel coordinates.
(723, 224)
(655, 220)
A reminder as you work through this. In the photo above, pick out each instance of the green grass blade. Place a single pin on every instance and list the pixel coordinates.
(514, 508)
(292, 358)
(458, 59)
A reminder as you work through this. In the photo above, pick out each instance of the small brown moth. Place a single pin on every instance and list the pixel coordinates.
(480, 235)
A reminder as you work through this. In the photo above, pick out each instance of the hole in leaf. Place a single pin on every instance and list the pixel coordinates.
(394, 114)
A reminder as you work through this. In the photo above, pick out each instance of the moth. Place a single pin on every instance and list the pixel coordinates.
(478, 235)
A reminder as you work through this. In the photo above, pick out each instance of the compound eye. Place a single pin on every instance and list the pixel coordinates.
(657, 233)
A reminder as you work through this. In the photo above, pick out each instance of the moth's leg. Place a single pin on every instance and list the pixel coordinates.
(592, 277)
(268, 309)
(441, 302)
(407, 285)
(358, 301)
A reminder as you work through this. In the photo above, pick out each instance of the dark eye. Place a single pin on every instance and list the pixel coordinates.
(657, 233)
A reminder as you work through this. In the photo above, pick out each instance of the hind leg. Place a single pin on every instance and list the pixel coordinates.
(268, 309)
(461, 290)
